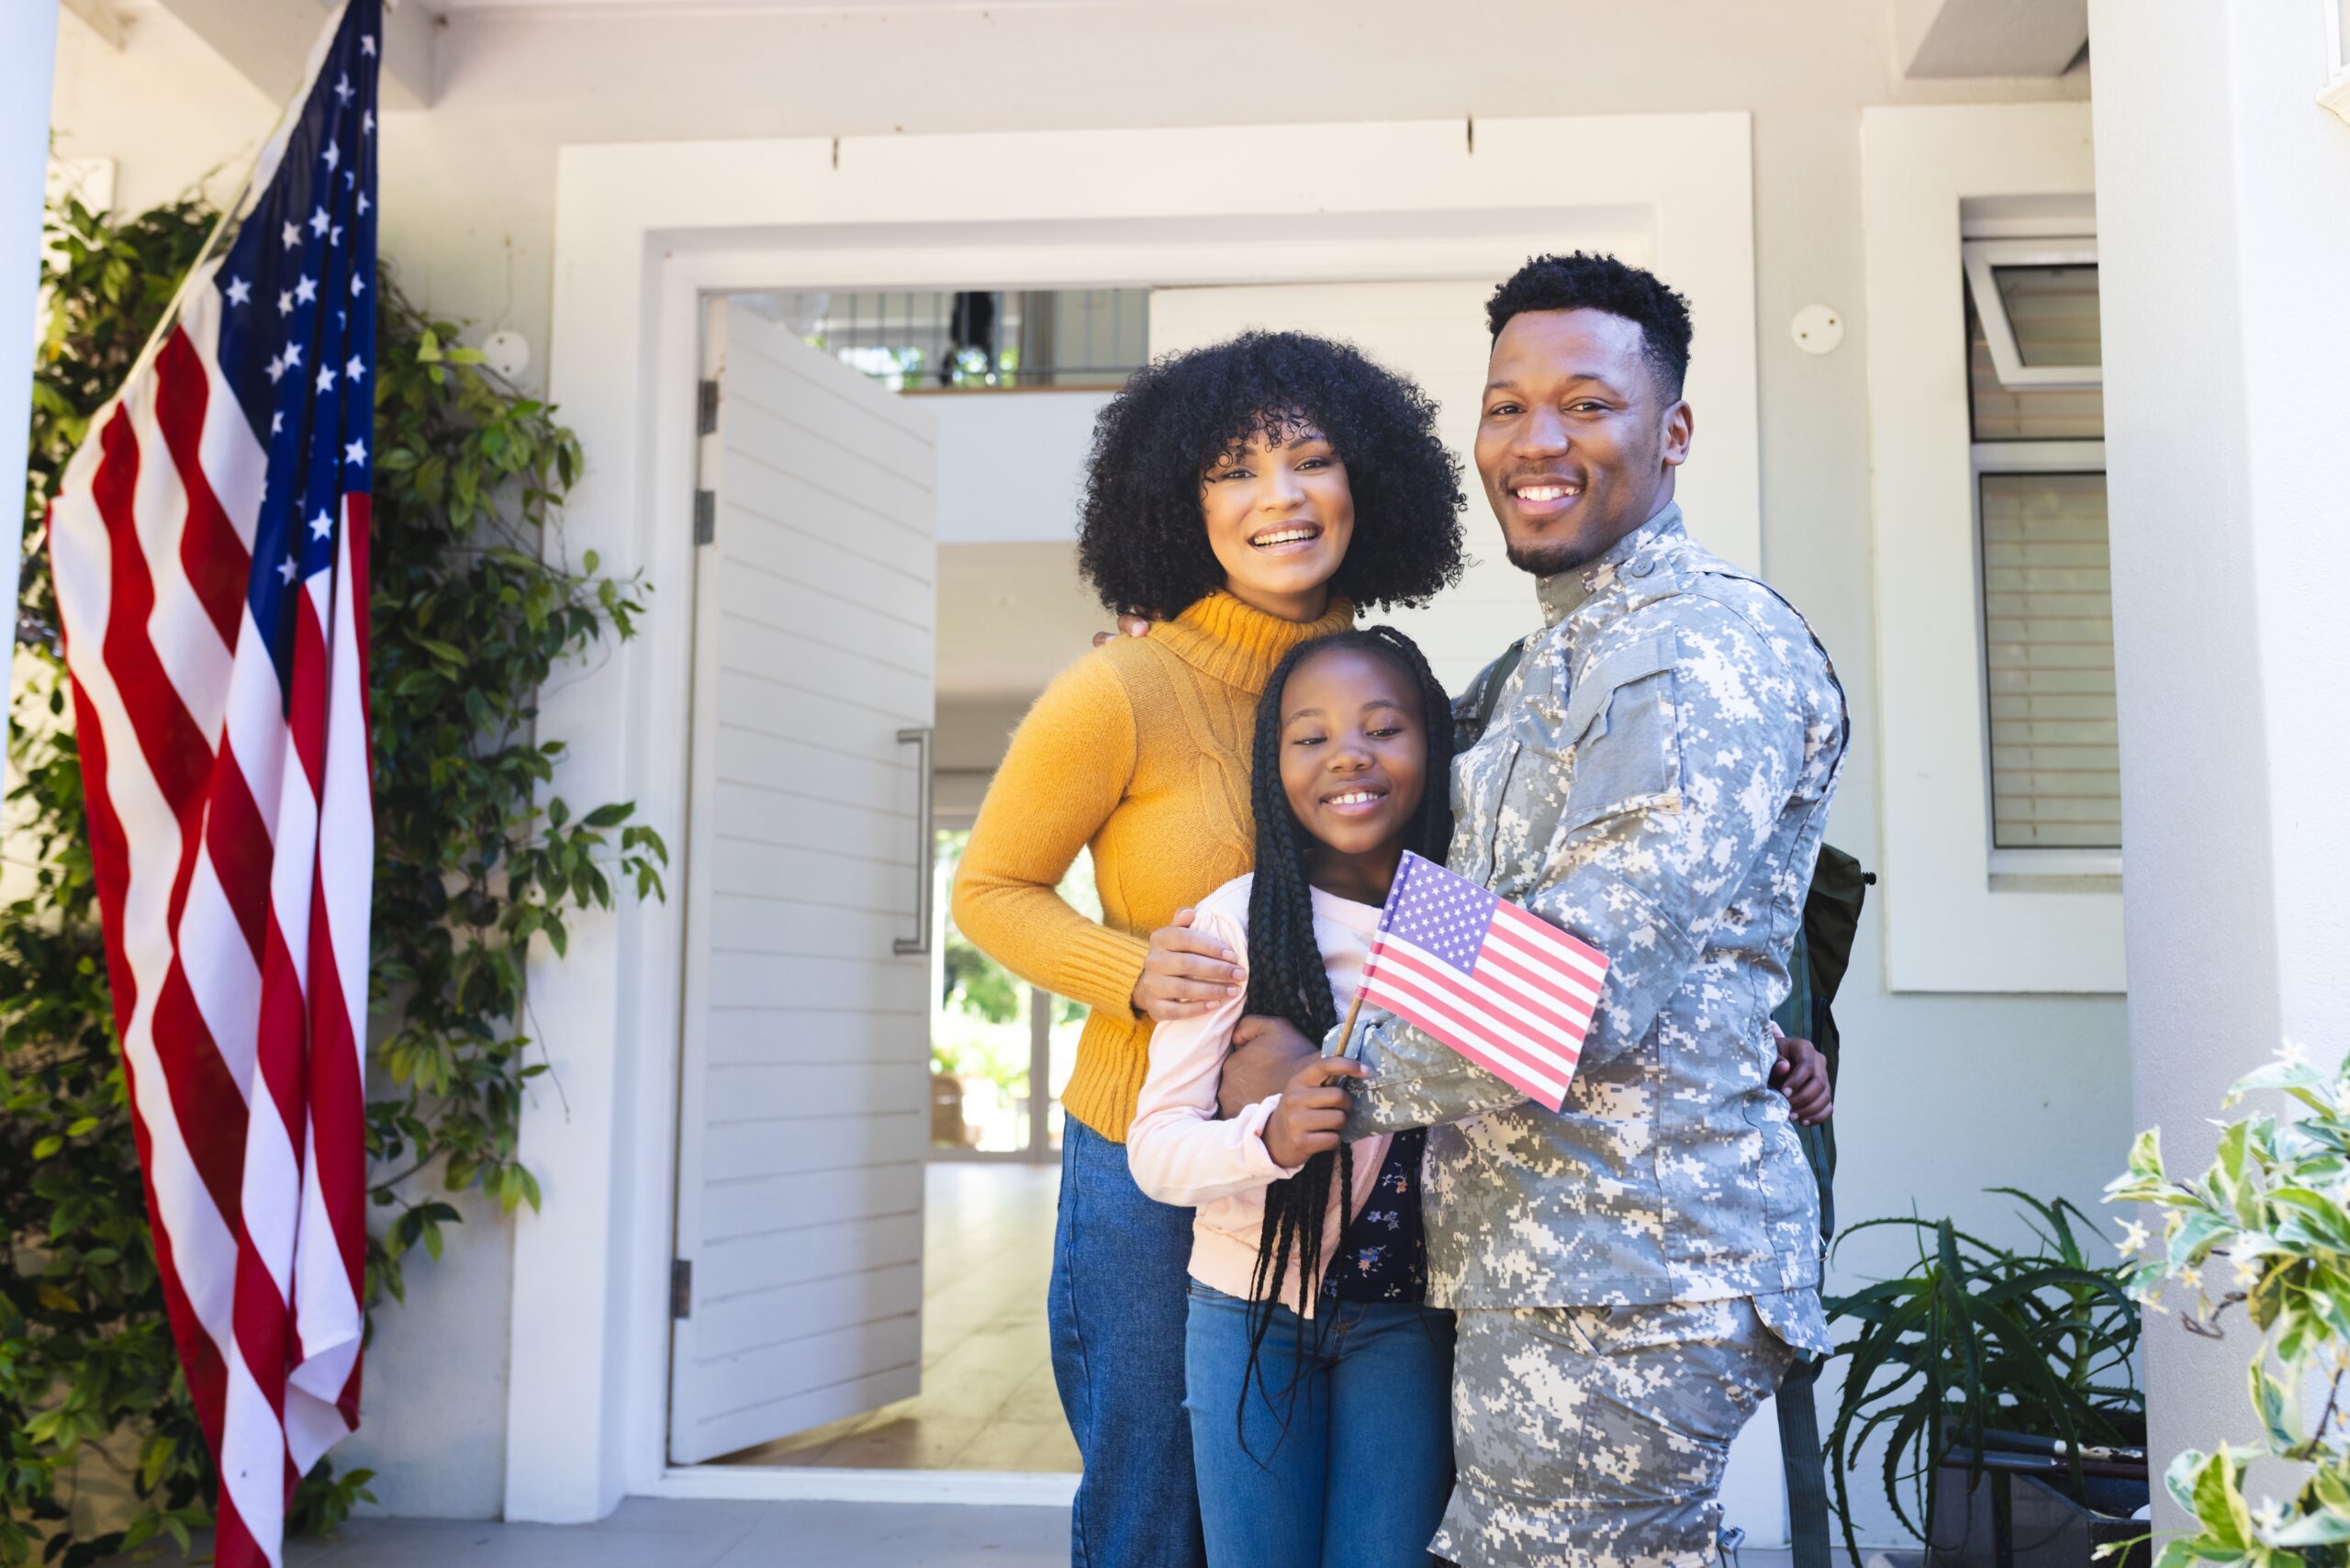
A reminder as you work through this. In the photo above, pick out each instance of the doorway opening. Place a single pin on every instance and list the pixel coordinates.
(940, 1359)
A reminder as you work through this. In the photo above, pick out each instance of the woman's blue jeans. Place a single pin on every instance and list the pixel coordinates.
(1355, 1472)
(1120, 1262)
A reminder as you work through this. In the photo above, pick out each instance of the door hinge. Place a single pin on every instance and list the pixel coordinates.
(681, 1287)
(705, 516)
(706, 415)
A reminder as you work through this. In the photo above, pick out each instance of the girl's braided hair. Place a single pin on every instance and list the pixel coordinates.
(1287, 978)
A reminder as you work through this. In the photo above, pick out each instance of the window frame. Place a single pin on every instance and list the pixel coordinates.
(2024, 457)
(1933, 178)
(1982, 259)
(2335, 95)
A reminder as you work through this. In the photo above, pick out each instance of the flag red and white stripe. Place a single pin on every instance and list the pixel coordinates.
(208, 544)
(1507, 989)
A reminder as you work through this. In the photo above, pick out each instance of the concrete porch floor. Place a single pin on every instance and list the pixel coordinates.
(648, 1532)
(652, 1532)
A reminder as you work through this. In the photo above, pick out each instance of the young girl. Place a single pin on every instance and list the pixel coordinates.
(1317, 1393)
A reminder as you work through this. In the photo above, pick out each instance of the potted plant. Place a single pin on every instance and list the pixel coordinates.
(2274, 1206)
(2001, 1382)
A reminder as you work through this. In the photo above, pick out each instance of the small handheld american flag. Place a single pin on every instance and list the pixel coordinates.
(1510, 992)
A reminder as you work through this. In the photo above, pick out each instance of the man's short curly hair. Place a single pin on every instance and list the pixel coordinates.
(1587, 282)
(1143, 542)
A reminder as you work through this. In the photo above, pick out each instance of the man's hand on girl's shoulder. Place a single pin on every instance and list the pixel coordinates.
(1310, 1118)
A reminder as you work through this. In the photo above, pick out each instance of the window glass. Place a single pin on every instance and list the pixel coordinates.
(2053, 312)
(976, 339)
(2025, 413)
(2048, 647)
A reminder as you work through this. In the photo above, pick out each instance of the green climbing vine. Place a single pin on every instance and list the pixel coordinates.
(475, 859)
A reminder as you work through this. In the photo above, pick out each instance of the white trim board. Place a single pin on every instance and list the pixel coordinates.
(818, 1484)
(643, 230)
(1947, 926)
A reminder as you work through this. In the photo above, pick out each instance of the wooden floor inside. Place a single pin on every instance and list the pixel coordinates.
(987, 1399)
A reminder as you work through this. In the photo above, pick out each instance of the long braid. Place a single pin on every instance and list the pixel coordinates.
(1288, 979)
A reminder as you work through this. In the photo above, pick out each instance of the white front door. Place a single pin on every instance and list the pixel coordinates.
(804, 1103)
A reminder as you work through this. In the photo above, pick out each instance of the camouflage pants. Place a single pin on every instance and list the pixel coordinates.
(1591, 1437)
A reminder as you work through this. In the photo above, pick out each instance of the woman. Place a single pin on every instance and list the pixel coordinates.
(1258, 492)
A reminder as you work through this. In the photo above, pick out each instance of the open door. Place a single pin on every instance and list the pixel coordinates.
(796, 1290)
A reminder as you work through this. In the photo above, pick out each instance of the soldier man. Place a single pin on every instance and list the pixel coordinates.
(1634, 1273)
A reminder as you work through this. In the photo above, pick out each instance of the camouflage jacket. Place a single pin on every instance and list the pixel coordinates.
(1654, 777)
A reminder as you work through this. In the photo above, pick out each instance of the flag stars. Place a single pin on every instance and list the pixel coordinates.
(239, 291)
(293, 235)
(354, 369)
(342, 90)
(319, 220)
(355, 452)
(321, 525)
(334, 156)
(293, 354)
(326, 380)
(367, 43)
(277, 370)
(306, 289)
(286, 568)
(358, 286)
(334, 236)
(363, 204)
(367, 121)
(285, 302)
(277, 427)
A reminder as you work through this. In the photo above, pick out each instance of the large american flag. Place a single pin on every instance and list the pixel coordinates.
(1509, 990)
(209, 547)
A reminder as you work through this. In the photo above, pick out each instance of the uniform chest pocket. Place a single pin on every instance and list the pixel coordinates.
(1623, 724)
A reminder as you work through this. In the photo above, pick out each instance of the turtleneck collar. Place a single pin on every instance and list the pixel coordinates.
(1563, 594)
(1234, 642)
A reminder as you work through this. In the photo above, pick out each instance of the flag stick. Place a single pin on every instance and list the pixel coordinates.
(1347, 1030)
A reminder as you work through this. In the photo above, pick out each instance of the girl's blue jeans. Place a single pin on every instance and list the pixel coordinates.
(1355, 1470)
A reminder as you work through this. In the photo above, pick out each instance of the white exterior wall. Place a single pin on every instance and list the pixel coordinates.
(2024, 1092)
(2223, 203)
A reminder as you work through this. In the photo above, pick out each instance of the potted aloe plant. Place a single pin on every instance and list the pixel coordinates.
(2273, 1211)
(2000, 1379)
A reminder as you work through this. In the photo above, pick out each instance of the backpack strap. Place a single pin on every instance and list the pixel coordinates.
(1474, 707)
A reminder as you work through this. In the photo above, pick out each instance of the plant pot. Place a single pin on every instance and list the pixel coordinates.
(947, 1127)
(2000, 1517)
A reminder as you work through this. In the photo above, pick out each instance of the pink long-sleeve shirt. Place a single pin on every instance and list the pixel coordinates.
(1181, 1154)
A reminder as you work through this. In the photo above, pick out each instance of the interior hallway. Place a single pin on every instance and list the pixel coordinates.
(987, 1399)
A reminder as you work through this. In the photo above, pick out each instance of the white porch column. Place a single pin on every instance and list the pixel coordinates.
(2223, 222)
(26, 67)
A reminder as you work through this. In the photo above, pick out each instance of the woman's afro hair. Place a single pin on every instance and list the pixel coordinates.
(1142, 542)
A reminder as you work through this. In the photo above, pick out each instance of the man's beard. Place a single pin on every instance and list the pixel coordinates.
(1549, 557)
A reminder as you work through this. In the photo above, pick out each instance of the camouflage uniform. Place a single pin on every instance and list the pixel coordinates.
(1633, 1272)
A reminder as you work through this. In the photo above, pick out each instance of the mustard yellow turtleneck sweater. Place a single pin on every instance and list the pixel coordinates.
(1139, 750)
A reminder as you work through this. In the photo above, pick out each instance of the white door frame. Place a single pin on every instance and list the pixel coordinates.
(642, 231)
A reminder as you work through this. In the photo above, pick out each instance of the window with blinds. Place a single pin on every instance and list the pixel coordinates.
(2046, 589)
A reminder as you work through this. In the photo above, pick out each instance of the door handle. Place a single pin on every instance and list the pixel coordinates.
(925, 851)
